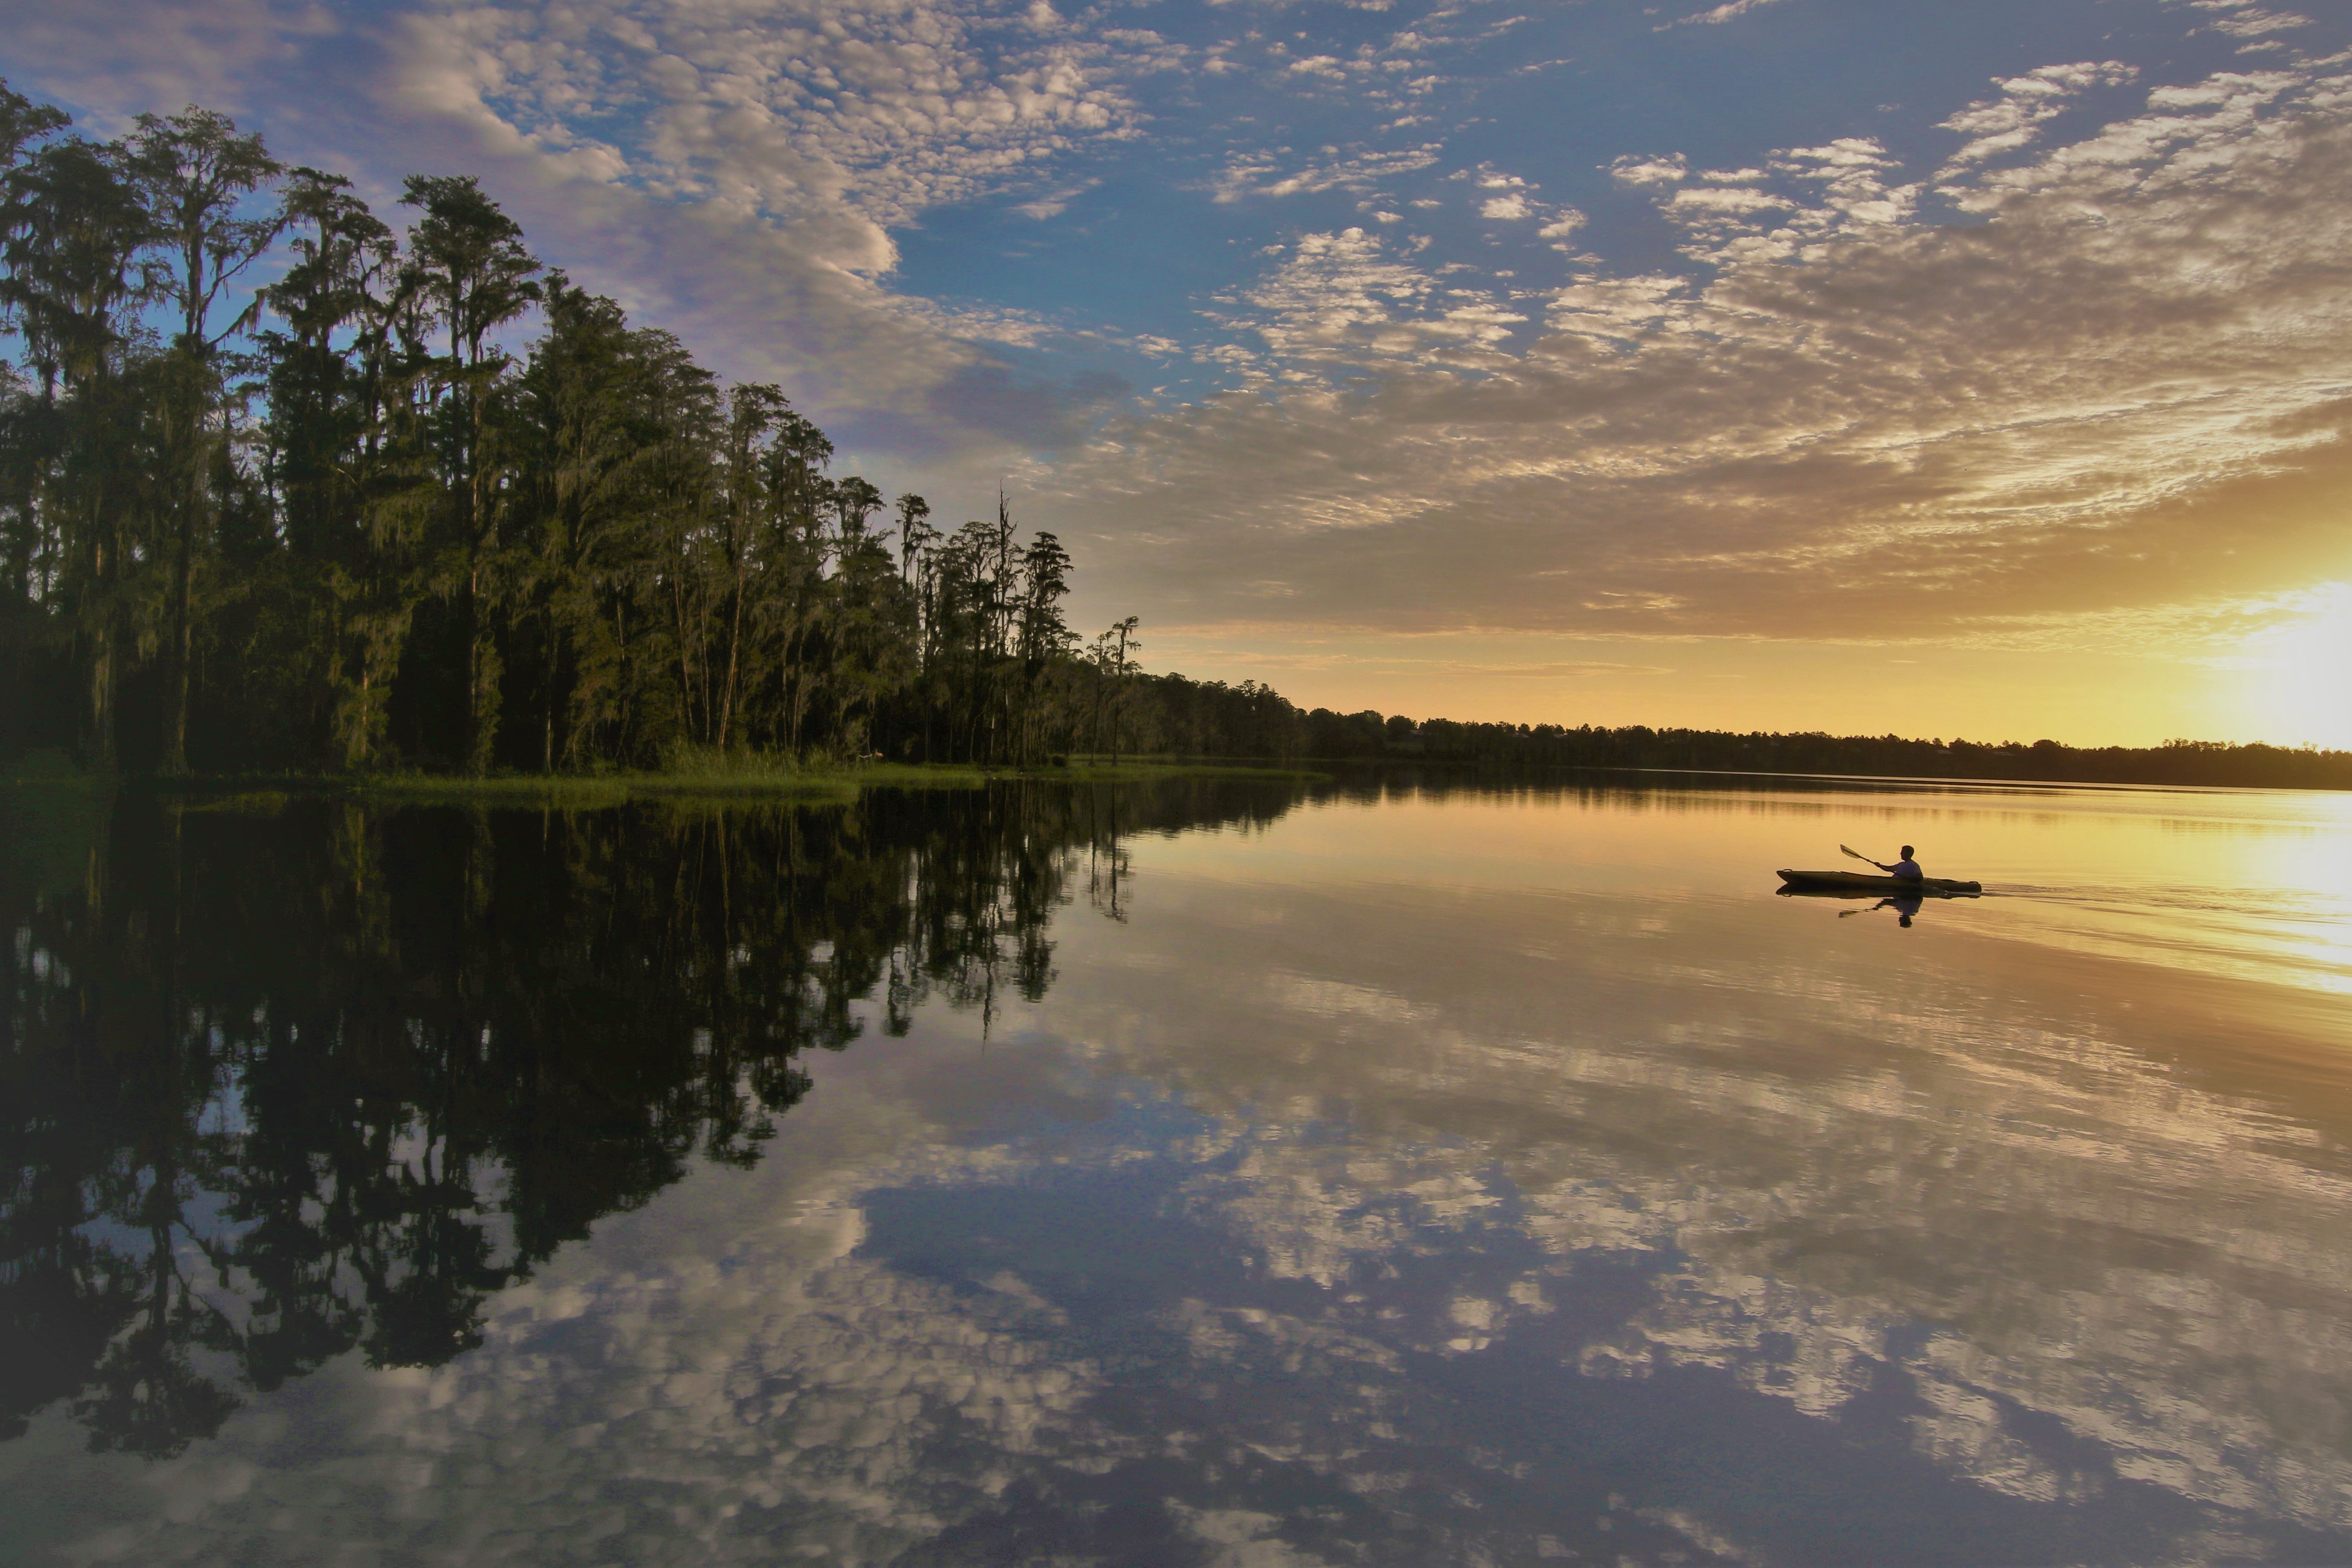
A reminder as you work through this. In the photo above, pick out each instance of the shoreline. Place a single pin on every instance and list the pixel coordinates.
(753, 782)
(216, 791)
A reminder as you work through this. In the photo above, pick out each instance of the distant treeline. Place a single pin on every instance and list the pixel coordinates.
(334, 525)
(1171, 714)
(1334, 735)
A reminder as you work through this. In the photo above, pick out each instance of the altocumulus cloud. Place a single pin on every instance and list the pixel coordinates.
(2117, 381)
(731, 171)
(2079, 360)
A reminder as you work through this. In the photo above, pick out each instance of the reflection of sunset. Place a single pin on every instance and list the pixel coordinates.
(1504, 1164)
(2255, 884)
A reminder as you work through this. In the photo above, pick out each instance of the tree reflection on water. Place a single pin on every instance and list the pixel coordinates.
(285, 1079)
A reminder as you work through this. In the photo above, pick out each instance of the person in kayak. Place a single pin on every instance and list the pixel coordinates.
(1906, 867)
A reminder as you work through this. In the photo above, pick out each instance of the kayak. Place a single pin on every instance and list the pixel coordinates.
(1862, 882)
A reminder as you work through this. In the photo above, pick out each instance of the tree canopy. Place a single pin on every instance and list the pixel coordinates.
(421, 502)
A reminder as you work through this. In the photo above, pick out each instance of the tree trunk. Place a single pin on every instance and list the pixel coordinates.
(102, 670)
(101, 699)
(734, 649)
(547, 703)
(180, 654)
(482, 665)
(478, 731)
(685, 668)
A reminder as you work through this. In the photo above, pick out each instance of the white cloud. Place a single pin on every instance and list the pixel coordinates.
(1732, 10)
(1618, 308)
(2041, 413)
(1054, 204)
(1261, 174)
(2000, 125)
(1636, 169)
(1349, 299)
(794, 109)
(1727, 199)
(2244, 19)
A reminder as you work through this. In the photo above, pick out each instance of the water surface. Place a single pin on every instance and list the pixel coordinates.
(1216, 1173)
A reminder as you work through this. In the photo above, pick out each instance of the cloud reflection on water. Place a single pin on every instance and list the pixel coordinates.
(1353, 1202)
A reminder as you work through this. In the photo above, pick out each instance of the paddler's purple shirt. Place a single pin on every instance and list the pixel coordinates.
(1906, 869)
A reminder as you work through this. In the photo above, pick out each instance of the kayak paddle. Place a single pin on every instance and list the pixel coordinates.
(1858, 854)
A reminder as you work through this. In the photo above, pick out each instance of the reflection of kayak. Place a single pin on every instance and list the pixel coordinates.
(1860, 882)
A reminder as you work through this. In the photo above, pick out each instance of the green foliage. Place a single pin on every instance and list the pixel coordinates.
(351, 528)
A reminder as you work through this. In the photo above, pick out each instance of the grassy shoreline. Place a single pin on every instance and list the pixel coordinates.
(703, 779)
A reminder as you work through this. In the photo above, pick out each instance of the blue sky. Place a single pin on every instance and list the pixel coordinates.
(1780, 364)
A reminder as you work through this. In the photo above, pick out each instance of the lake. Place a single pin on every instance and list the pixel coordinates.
(1218, 1172)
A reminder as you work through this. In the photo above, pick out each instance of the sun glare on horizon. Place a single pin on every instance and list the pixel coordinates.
(2294, 678)
(1789, 366)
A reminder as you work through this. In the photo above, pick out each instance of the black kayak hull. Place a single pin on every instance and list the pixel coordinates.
(1885, 887)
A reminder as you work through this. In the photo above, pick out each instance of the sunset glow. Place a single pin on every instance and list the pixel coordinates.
(1788, 364)
(2296, 675)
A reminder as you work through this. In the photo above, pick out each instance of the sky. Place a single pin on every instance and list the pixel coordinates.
(1972, 371)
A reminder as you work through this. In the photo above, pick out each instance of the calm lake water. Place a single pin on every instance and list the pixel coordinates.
(1216, 1173)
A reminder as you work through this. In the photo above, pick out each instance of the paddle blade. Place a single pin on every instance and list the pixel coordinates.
(1856, 853)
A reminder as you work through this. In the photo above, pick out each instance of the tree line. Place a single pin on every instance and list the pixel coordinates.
(277, 493)
(1174, 716)
(1325, 734)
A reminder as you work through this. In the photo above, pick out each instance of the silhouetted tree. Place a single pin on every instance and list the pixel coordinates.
(192, 174)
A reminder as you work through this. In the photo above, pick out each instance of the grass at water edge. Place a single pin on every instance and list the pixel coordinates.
(700, 779)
